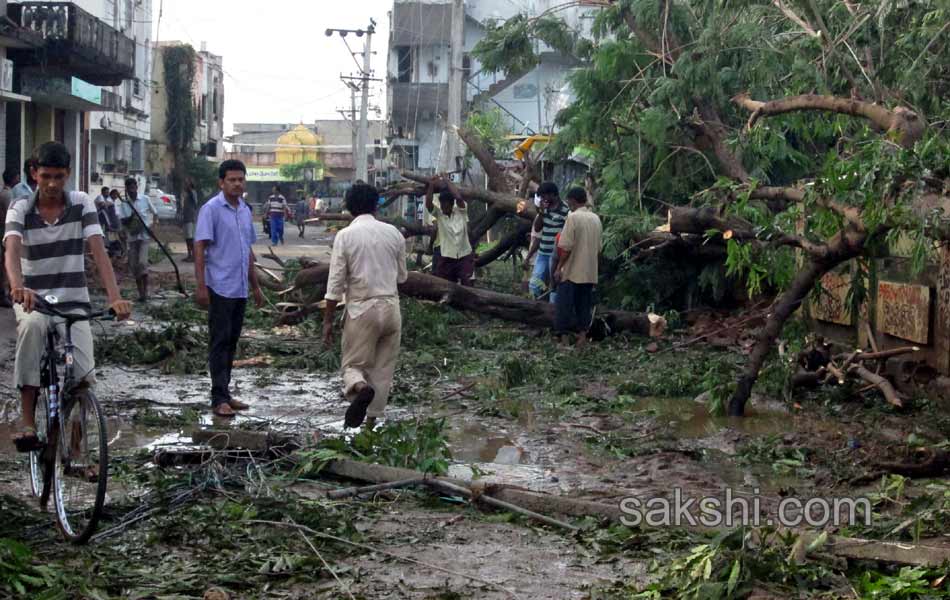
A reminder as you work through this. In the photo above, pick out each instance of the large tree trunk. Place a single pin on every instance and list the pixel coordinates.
(408, 228)
(842, 248)
(494, 304)
(511, 241)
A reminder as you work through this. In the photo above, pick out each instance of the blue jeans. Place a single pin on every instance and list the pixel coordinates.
(276, 229)
(541, 277)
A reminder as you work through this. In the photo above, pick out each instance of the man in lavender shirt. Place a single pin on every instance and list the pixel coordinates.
(224, 268)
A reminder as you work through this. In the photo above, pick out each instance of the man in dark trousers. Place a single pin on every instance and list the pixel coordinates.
(576, 273)
(189, 212)
(224, 269)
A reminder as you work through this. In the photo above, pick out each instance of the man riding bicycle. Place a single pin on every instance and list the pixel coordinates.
(45, 256)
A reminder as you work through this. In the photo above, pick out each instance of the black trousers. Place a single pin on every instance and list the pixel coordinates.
(225, 320)
(573, 307)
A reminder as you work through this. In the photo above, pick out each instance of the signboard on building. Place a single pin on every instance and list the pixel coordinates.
(265, 174)
(86, 91)
(832, 304)
(903, 310)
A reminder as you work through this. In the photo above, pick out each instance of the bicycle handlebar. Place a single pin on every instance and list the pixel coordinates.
(46, 308)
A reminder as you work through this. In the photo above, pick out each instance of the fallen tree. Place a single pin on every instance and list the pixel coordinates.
(834, 179)
(502, 306)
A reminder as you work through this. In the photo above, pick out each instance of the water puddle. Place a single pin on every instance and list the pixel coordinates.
(691, 420)
(476, 443)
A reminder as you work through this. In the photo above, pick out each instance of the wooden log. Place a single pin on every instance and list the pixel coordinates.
(495, 502)
(882, 384)
(409, 229)
(919, 554)
(885, 354)
(372, 489)
(502, 306)
(230, 439)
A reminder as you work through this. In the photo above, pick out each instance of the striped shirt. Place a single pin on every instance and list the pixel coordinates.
(53, 260)
(553, 223)
(277, 205)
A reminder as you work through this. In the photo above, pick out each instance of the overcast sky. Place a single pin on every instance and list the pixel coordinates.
(279, 65)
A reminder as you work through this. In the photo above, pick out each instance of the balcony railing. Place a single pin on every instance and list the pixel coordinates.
(77, 43)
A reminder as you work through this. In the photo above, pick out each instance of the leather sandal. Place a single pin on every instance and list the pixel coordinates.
(223, 410)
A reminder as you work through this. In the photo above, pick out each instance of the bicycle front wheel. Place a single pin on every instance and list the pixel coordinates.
(37, 457)
(82, 467)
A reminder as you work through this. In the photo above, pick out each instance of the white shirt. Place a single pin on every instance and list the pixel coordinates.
(367, 264)
(453, 232)
(145, 208)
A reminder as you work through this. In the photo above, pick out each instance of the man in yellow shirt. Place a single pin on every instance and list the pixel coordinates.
(456, 260)
(578, 250)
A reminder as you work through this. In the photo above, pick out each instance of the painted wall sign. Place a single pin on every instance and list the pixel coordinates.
(832, 305)
(903, 310)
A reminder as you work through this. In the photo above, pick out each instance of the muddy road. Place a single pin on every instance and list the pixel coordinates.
(476, 399)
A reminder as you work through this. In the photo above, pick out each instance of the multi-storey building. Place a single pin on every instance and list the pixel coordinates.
(118, 137)
(208, 96)
(69, 54)
(419, 72)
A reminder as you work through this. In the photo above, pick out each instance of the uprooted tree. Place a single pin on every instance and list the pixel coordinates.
(797, 135)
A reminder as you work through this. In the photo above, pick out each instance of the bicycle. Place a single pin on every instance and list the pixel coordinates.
(71, 458)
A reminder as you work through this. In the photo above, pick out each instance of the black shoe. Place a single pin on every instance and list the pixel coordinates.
(356, 413)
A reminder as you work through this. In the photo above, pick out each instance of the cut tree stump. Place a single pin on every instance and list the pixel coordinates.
(494, 304)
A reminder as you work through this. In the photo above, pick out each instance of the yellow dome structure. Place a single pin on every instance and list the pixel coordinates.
(298, 136)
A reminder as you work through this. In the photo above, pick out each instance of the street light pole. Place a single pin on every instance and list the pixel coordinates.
(362, 169)
(362, 133)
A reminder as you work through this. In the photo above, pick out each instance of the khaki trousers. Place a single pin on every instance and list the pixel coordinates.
(370, 348)
(138, 257)
(31, 343)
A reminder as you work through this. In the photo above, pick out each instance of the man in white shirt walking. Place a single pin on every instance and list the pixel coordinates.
(367, 264)
(137, 223)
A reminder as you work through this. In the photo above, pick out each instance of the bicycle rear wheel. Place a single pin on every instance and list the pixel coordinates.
(82, 467)
(41, 418)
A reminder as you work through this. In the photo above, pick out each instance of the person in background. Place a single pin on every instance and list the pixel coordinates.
(319, 205)
(189, 214)
(103, 198)
(457, 261)
(137, 224)
(224, 271)
(550, 221)
(367, 264)
(301, 213)
(277, 211)
(576, 274)
(26, 189)
(10, 179)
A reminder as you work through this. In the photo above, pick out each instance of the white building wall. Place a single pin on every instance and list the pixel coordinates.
(121, 135)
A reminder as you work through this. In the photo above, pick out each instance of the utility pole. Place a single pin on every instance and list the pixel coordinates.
(454, 117)
(353, 118)
(362, 169)
(362, 131)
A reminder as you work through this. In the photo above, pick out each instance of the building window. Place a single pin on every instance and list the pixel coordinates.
(129, 14)
(404, 64)
(107, 154)
(137, 163)
(137, 88)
